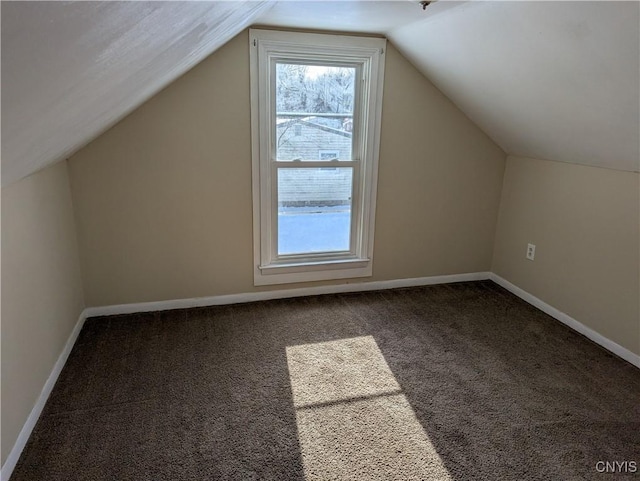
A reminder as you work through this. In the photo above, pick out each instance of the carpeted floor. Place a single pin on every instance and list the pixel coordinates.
(451, 382)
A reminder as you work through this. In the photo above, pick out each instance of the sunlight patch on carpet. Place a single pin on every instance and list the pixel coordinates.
(353, 420)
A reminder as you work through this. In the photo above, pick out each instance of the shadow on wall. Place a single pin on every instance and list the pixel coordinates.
(450, 382)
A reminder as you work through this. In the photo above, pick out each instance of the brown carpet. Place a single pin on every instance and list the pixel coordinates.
(452, 382)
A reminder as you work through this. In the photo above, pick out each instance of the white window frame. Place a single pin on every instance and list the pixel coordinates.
(365, 53)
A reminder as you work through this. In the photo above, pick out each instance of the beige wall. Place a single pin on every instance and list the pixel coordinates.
(41, 289)
(163, 199)
(584, 223)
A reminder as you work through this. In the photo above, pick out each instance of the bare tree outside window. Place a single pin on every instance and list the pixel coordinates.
(314, 88)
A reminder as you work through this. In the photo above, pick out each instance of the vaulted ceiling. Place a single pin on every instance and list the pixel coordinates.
(70, 70)
(552, 80)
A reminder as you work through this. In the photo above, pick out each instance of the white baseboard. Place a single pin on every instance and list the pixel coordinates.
(25, 432)
(608, 344)
(281, 294)
(23, 437)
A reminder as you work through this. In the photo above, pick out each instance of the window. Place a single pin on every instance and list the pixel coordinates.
(316, 103)
(328, 154)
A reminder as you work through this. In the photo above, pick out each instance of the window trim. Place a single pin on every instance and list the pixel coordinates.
(267, 47)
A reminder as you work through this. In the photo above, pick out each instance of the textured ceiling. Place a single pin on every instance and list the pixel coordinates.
(72, 69)
(551, 80)
(554, 80)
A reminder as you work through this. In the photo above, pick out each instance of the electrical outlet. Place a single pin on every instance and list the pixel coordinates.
(531, 251)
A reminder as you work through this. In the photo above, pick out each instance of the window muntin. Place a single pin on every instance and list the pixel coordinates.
(316, 102)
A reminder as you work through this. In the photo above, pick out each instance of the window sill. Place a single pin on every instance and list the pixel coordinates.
(312, 271)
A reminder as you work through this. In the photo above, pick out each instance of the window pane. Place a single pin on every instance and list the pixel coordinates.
(314, 210)
(314, 112)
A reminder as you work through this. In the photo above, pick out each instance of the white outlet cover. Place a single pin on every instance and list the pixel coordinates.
(531, 251)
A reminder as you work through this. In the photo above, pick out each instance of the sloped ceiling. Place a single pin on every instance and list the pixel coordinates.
(553, 80)
(72, 69)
